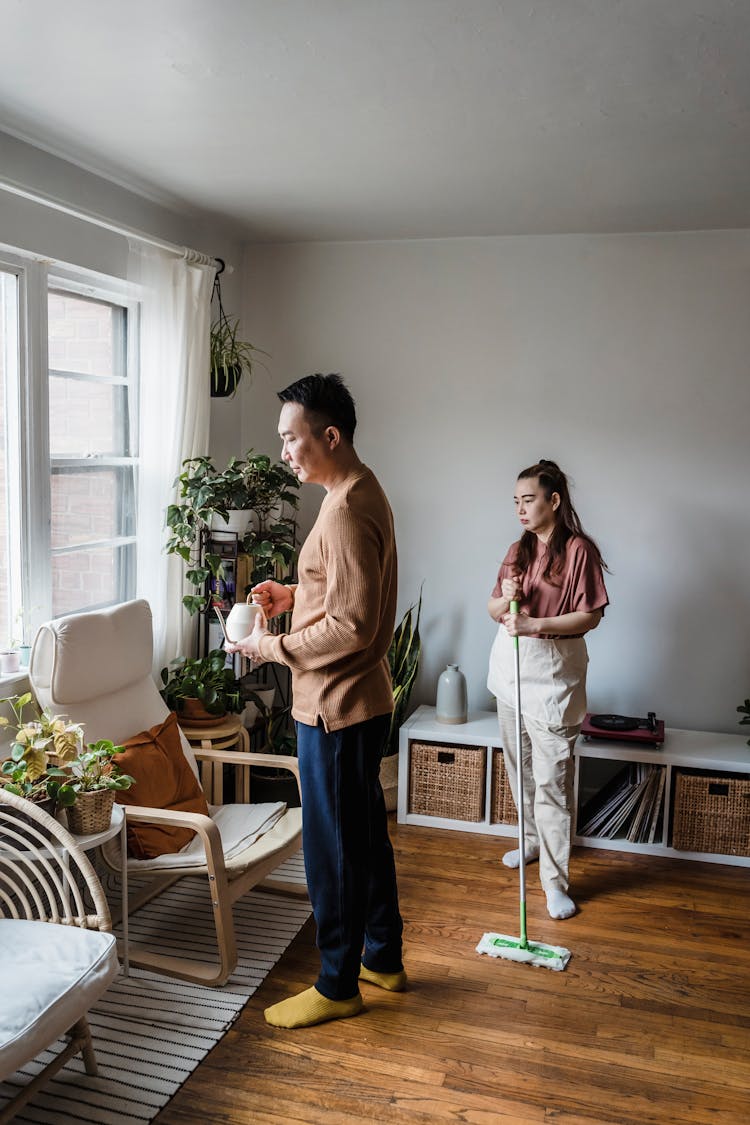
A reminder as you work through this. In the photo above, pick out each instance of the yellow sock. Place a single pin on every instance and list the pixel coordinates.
(311, 1007)
(393, 982)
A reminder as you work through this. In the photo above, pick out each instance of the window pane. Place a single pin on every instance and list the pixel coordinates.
(9, 545)
(91, 504)
(84, 335)
(87, 578)
(86, 418)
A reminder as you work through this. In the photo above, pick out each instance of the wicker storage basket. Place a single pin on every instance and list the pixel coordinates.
(447, 780)
(92, 812)
(503, 807)
(711, 814)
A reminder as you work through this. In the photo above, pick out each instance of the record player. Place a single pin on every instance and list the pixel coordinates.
(624, 728)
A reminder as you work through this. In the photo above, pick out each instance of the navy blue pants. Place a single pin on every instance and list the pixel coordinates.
(351, 873)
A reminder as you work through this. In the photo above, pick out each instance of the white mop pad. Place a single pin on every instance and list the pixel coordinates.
(535, 953)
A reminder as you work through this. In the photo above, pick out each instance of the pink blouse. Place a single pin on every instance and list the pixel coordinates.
(579, 587)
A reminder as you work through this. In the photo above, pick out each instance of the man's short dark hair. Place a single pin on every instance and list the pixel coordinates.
(328, 399)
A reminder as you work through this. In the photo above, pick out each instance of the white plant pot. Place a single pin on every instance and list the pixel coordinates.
(9, 662)
(266, 696)
(237, 522)
(249, 715)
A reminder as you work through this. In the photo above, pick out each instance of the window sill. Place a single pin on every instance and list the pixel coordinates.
(15, 684)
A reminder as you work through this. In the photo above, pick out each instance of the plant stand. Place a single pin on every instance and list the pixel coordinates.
(225, 734)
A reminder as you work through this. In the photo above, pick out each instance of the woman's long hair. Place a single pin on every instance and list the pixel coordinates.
(567, 524)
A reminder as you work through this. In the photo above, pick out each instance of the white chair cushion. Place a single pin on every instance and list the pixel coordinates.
(56, 974)
(74, 670)
(240, 826)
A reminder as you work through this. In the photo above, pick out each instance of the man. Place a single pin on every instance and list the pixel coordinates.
(343, 613)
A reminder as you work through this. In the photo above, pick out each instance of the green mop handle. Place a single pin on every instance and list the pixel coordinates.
(514, 609)
(524, 941)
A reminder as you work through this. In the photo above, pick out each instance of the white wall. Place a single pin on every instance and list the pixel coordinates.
(622, 357)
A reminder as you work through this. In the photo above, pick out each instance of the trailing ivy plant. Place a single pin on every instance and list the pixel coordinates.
(254, 484)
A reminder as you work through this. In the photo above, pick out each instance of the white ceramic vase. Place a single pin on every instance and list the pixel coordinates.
(451, 696)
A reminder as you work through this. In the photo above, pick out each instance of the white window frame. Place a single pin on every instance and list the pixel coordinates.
(36, 277)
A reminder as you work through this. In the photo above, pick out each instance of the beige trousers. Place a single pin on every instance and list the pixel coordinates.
(547, 789)
(553, 707)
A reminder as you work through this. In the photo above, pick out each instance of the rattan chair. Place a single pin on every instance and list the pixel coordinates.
(52, 973)
(96, 669)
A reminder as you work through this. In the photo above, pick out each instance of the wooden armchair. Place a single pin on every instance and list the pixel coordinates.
(96, 669)
(53, 973)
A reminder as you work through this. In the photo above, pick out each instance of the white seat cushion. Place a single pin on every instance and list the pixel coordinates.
(240, 826)
(55, 974)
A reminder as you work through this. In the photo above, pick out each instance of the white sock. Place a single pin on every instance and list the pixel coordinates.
(513, 859)
(559, 905)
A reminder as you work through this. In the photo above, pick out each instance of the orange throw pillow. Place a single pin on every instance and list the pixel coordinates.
(163, 780)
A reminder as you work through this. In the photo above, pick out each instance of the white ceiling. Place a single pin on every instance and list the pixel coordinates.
(360, 119)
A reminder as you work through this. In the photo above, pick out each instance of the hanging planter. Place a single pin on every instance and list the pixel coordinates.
(230, 357)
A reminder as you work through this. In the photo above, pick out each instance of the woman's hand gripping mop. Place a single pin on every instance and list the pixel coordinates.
(500, 945)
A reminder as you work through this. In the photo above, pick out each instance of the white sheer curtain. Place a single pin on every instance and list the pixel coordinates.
(173, 423)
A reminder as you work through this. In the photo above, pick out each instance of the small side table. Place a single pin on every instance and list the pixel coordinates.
(222, 735)
(93, 840)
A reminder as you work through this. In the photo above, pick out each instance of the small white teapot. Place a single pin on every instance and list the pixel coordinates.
(241, 620)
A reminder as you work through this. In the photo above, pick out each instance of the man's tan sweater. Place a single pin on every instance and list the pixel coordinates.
(344, 609)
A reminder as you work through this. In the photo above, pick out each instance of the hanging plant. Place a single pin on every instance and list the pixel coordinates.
(230, 357)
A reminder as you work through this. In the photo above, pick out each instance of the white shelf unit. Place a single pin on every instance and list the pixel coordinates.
(683, 749)
(480, 730)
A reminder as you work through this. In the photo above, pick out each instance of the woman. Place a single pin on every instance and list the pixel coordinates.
(554, 572)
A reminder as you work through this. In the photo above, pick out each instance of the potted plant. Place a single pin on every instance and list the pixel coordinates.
(10, 659)
(271, 540)
(202, 689)
(230, 357)
(278, 737)
(403, 660)
(250, 484)
(94, 778)
(41, 748)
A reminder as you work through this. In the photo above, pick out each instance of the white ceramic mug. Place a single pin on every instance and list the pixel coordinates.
(241, 620)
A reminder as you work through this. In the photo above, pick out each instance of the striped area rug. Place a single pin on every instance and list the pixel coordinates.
(151, 1031)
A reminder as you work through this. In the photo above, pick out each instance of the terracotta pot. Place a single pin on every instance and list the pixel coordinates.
(194, 713)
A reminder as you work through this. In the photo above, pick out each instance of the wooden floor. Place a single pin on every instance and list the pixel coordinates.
(649, 1023)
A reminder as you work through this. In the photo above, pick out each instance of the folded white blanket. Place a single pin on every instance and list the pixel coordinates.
(239, 827)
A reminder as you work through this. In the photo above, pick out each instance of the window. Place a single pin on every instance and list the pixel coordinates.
(10, 560)
(68, 444)
(91, 443)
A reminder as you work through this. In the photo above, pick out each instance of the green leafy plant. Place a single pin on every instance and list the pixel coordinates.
(272, 541)
(94, 769)
(230, 357)
(745, 710)
(39, 752)
(278, 738)
(254, 484)
(403, 660)
(207, 679)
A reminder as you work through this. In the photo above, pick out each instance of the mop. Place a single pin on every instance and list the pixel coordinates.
(500, 945)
